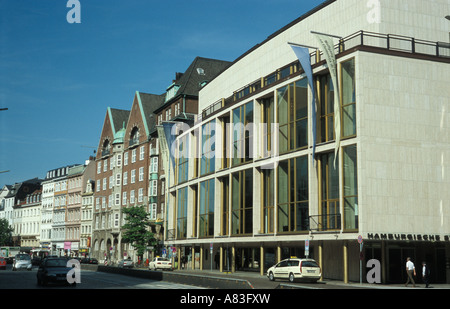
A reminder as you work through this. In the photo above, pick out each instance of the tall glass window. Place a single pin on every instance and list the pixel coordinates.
(225, 205)
(268, 200)
(182, 196)
(329, 192)
(350, 188)
(268, 120)
(183, 158)
(293, 195)
(325, 129)
(242, 134)
(293, 116)
(206, 211)
(242, 202)
(348, 98)
(207, 164)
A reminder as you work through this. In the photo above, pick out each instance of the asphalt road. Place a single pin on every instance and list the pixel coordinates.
(91, 280)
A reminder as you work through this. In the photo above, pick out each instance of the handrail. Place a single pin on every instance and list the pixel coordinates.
(414, 46)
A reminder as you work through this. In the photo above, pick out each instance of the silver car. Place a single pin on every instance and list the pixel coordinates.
(22, 261)
(125, 263)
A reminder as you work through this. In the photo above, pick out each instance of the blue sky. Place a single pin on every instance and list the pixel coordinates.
(57, 79)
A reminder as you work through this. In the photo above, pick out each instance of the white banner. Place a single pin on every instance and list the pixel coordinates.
(327, 46)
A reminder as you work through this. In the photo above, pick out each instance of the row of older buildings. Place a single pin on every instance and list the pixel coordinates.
(346, 164)
(76, 210)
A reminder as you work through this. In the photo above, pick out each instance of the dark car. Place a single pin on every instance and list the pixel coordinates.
(53, 270)
(92, 261)
(89, 261)
(36, 261)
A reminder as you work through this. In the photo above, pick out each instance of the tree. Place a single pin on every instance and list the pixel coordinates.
(136, 229)
(5, 233)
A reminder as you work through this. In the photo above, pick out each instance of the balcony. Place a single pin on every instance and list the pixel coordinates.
(361, 40)
(106, 152)
(325, 223)
(133, 142)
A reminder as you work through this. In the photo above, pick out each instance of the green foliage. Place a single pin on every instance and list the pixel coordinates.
(136, 229)
(5, 233)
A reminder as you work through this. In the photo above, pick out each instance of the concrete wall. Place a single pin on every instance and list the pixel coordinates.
(404, 139)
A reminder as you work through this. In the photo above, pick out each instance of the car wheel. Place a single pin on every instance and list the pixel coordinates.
(271, 277)
(291, 277)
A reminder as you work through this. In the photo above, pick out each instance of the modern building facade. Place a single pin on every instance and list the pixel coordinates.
(364, 163)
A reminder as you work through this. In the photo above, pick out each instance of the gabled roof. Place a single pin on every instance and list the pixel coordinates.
(118, 118)
(148, 103)
(201, 71)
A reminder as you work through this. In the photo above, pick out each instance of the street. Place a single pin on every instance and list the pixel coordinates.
(89, 280)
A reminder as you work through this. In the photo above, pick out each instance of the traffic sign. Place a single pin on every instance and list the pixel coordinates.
(360, 239)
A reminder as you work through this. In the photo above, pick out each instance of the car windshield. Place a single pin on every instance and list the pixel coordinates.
(23, 257)
(162, 259)
(57, 263)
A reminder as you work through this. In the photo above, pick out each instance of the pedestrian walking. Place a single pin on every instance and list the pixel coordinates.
(411, 271)
(425, 274)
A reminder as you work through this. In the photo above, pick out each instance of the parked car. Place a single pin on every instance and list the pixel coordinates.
(53, 270)
(89, 261)
(292, 269)
(2, 263)
(36, 261)
(22, 261)
(160, 263)
(125, 263)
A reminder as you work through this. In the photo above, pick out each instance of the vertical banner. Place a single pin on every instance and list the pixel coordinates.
(327, 46)
(164, 148)
(170, 139)
(303, 56)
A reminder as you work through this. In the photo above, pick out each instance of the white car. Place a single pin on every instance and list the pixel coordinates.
(22, 261)
(160, 263)
(294, 268)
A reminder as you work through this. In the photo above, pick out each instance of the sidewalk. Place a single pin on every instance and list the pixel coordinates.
(262, 282)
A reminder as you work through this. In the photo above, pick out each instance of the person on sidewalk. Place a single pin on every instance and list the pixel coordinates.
(425, 274)
(410, 270)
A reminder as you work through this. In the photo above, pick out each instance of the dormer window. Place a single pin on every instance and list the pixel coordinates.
(171, 91)
(106, 148)
(134, 137)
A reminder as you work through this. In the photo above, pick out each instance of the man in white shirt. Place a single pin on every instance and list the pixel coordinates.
(410, 270)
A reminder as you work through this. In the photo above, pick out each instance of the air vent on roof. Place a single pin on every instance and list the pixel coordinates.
(200, 71)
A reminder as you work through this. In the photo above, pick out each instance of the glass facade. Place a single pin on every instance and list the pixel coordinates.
(183, 159)
(325, 129)
(348, 98)
(350, 188)
(182, 196)
(329, 192)
(243, 134)
(293, 116)
(207, 164)
(282, 201)
(268, 200)
(293, 195)
(206, 211)
(242, 202)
